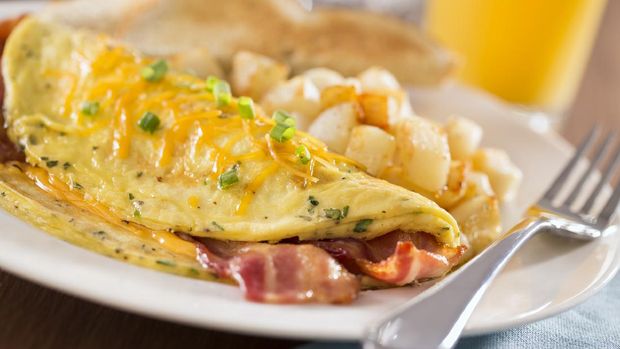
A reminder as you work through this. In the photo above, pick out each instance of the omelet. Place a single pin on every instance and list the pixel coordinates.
(178, 172)
(170, 177)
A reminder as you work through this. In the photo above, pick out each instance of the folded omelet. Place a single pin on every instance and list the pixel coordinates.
(120, 136)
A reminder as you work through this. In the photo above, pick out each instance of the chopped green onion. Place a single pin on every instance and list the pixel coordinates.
(90, 108)
(137, 213)
(246, 108)
(211, 81)
(222, 93)
(155, 72)
(282, 133)
(284, 118)
(362, 225)
(228, 178)
(284, 129)
(290, 122)
(149, 122)
(303, 154)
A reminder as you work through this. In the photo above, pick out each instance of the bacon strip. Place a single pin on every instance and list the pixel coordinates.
(282, 273)
(406, 265)
(396, 258)
(323, 271)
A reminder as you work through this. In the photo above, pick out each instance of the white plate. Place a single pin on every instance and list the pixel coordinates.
(547, 276)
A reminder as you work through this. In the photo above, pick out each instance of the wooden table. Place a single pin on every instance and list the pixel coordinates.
(35, 317)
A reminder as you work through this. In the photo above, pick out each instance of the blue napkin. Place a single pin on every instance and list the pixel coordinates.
(593, 324)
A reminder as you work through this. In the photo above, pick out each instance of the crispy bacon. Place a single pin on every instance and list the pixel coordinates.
(406, 265)
(397, 258)
(323, 271)
(281, 273)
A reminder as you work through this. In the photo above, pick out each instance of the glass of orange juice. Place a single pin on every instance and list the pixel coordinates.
(530, 52)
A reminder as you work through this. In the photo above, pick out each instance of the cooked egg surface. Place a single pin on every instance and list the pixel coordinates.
(169, 152)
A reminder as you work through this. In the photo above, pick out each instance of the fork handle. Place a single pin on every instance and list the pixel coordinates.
(437, 318)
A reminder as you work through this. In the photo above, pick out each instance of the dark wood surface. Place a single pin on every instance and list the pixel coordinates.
(32, 316)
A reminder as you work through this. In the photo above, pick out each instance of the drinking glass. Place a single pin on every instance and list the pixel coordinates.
(529, 52)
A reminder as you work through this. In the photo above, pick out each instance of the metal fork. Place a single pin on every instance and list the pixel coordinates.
(437, 318)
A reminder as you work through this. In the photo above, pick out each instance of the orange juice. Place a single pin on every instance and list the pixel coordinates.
(527, 51)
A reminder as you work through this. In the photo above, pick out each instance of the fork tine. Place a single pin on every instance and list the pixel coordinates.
(605, 176)
(598, 156)
(612, 203)
(559, 181)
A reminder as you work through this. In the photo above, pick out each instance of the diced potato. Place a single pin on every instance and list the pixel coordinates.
(333, 95)
(457, 186)
(197, 61)
(464, 137)
(323, 77)
(372, 147)
(479, 220)
(298, 96)
(253, 74)
(376, 109)
(378, 80)
(423, 153)
(504, 176)
(334, 126)
(478, 184)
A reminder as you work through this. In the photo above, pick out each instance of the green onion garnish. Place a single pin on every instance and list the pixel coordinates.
(228, 178)
(155, 72)
(303, 154)
(90, 108)
(149, 122)
(284, 129)
(211, 81)
(362, 225)
(282, 133)
(284, 118)
(222, 93)
(246, 108)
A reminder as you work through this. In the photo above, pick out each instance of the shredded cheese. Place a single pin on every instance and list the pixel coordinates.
(183, 104)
